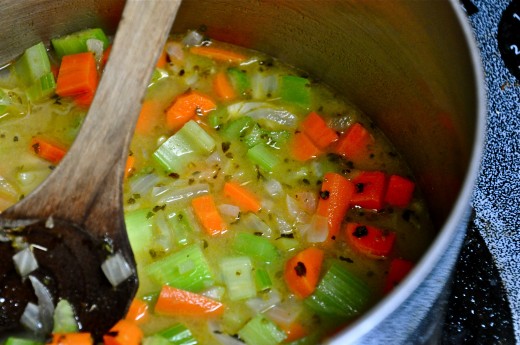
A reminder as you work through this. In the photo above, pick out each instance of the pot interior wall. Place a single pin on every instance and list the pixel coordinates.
(404, 63)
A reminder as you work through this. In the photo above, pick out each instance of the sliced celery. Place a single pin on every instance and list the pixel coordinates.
(239, 80)
(139, 227)
(155, 340)
(261, 331)
(237, 275)
(258, 247)
(182, 228)
(64, 318)
(184, 147)
(235, 129)
(339, 293)
(295, 90)
(286, 244)
(77, 42)
(258, 135)
(21, 341)
(186, 269)
(263, 280)
(42, 87)
(178, 335)
(32, 65)
(263, 156)
(218, 117)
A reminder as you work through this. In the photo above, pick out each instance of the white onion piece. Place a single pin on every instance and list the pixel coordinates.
(220, 337)
(193, 38)
(262, 304)
(318, 229)
(295, 210)
(142, 184)
(30, 318)
(286, 312)
(45, 304)
(25, 262)
(215, 292)
(174, 51)
(273, 187)
(283, 226)
(116, 269)
(49, 223)
(7, 189)
(229, 210)
(95, 46)
(270, 115)
(263, 86)
(252, 222)
(307, 201)
(214, 158)
(163, 237)
(182, 194)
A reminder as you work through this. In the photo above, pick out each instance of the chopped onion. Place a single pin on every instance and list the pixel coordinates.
(215, 292)
(307, 201)
(221, 337)
(45, 304)
(25, 262)
(163, 238)
(252, 222)
(183, 194)
(174, 51)
(262, 304)
(273, 187)
(318, 229)
(49, 223)
(295, 210)
(8, 190)
(263, 112)
(214, 158)
(142, 184)
(263, 85)
(116, 269)
(283, 226)
(193, 38)
(31, 318)
(95, 46)
(231, 211)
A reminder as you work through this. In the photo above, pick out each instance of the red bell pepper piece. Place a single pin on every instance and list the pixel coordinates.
(399, 192)
(370, 240)
(370, 190)
(399, 269)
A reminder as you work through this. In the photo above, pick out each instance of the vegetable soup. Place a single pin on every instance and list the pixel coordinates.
(262, 208)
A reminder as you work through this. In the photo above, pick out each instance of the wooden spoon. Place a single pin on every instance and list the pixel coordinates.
(74, 220)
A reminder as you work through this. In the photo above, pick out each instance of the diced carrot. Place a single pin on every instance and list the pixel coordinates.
(163, 60)
(48, 150)
(370, 240)
(356, 143)
(84, 99)
(208, 215)
(187, 106)
(243, 198)
(218, 54)
(303, 148)
(138, 311)
(399, 191)
(71, 339)
(129, 166)
(317, 130)
(106, 55)
(177, 302)
(302, 271)
(370, 190)
(334, 201)
(222, 86)
(294, 331)
(149, 117)
(124, 332)
(77, 76)
(399, 269)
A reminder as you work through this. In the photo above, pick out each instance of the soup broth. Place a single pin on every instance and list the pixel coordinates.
(268, 199)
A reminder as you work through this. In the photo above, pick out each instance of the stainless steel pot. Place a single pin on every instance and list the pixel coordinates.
(411, 65)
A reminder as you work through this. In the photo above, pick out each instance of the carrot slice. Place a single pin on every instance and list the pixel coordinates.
(218, 54)
(399, 191)
(77, 76)
(208, 215)
(370, 190)
(138, 311)
(355, 143)
(294, 331)
(370, 240)
(177, 302)
(317, 130)
(187, 106)
(399, 269)
(149, 117)
(222, 86)
(302, 271)
(334, 201)
(48, 150)
(163, 60)
(71, 339)
(303, 148)
(124, 332)
(244, 199)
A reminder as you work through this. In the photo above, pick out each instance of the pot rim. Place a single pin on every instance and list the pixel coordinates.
(429, 260)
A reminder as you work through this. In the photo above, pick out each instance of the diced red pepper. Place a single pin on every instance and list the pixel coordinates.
(370, 240)
(356, 143)
(399, 269)
(370, 190)
(399, 191)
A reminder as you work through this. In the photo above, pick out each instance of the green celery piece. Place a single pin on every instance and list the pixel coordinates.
(157, 75)
(287, 244)
(77, 42)
(340, 294)
(42, 87)
(237, 275)
(237, 128)
(32, 65)
(295, 90)
(178, 335)
(259, 135)
(155, 340)
(139, 227)
(263, 280)
(183, 147)
(186, 269)
(181, 227)
(64, 318)
(218, 117)
(261, 331)
(258, 247)
(21, 341)
(263, 156)
(238, 79)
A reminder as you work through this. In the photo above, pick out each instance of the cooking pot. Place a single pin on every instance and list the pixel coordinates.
(411, 66)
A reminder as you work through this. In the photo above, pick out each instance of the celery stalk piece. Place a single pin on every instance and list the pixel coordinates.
(64, 318)
(77, 42)
(340, 294)
(263, 280)
(237, 128)
(42, 87)
(239, 80)
(155, 340)
(139, 226)
(258, 135)
(237, 275)
(261, 331)
(186, 269)
(178, 335)
(198, 137)
(295, 90)
(21, 341)
(260, 248)
(263, 156)
(32, 65)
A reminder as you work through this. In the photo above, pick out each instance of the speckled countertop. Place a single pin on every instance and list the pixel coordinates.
(485, 303)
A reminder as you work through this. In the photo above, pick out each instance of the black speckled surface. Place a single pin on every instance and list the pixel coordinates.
(484, 305)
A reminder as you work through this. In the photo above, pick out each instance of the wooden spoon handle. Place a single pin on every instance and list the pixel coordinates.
(108, 128)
